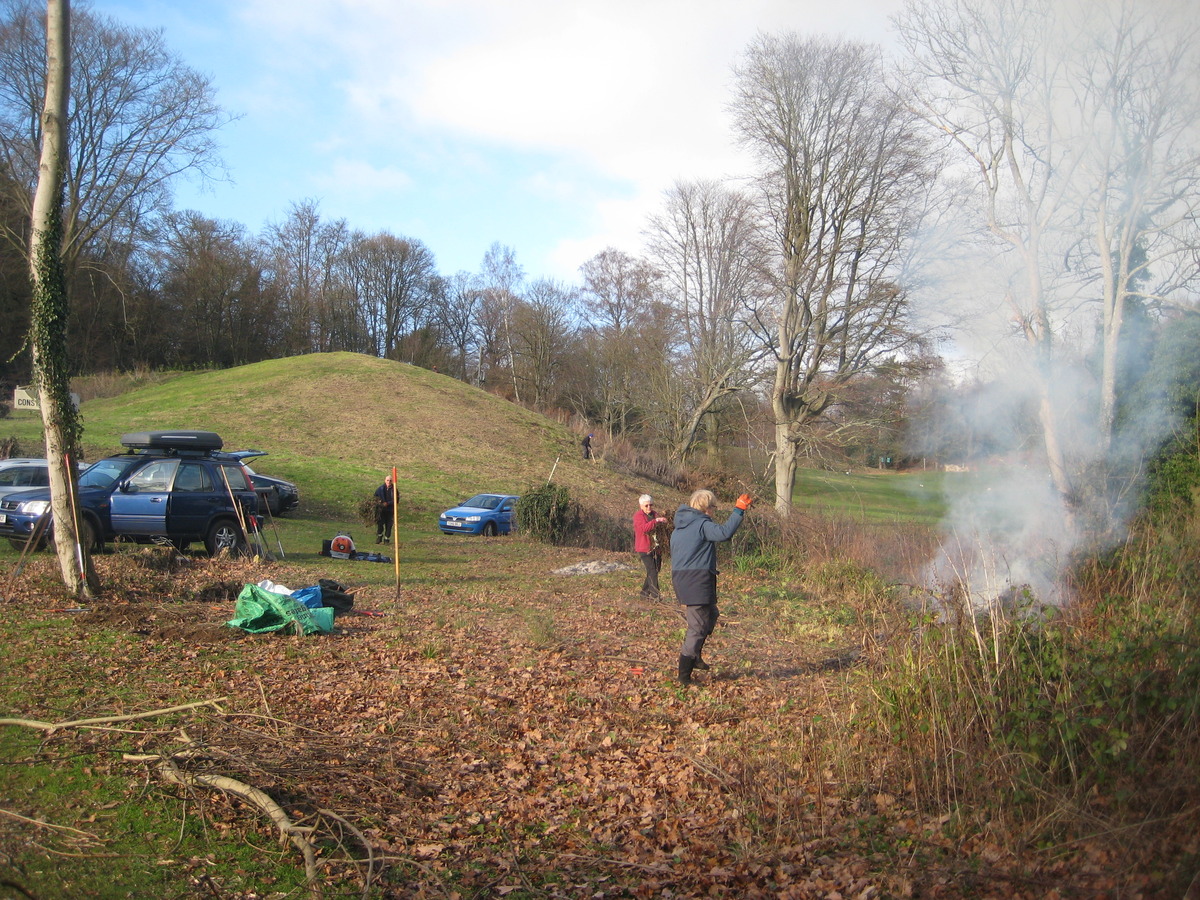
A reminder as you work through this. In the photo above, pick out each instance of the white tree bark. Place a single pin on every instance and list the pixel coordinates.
(59, 418)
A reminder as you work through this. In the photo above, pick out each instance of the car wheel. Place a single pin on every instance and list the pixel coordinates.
(223, 536)
(489, 529)
(88, 535)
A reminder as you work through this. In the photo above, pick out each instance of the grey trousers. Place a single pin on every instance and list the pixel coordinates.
(701, 620)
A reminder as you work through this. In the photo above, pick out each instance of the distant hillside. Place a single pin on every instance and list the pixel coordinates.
(335, 422)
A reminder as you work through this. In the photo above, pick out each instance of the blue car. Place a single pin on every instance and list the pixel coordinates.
(171, 486)
(486, 514)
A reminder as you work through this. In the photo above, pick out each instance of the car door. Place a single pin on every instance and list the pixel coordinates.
(506, 514)
(194, 500)
(139, 504)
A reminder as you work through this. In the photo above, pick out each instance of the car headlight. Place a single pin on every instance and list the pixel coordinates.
(473, 518)
(34, 507)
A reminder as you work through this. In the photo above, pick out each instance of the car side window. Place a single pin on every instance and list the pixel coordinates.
(157, 476)
(193, 477)
(237, 478)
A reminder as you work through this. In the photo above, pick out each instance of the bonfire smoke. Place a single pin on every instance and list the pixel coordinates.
(1088, 203)
(1007, 525)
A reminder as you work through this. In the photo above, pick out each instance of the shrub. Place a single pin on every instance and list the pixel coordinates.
(547, 514)
(1175, 476)
(368, 507)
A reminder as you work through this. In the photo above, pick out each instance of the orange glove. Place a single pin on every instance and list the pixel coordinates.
(744, 501)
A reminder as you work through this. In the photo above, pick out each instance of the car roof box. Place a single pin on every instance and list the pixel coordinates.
(172, 440)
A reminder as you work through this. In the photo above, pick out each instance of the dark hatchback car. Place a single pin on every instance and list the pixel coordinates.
(172, 486)
(276, 496)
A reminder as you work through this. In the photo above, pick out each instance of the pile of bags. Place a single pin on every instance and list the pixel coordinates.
(267, 606)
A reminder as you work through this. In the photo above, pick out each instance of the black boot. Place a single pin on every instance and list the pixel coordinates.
(701, 665)
(686, 664)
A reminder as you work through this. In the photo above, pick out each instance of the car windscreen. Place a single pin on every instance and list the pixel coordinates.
(483, 501)
(104, 474)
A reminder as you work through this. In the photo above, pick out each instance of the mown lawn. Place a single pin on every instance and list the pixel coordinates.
(874, 497)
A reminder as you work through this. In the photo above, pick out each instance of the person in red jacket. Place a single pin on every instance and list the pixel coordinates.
(645, 545)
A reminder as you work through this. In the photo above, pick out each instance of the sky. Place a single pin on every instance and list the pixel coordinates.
(547, 126)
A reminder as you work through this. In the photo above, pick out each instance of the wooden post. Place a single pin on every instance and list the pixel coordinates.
(396, 530)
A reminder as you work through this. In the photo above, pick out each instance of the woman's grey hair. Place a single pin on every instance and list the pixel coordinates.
(645, 498)
(702, 500)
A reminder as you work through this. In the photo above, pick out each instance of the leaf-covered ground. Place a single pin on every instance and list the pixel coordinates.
(497, 730)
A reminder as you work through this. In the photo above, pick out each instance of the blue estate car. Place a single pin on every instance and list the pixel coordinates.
(173, 486)
(486, 514)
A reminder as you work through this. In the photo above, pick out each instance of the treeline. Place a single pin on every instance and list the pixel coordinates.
(798, 310)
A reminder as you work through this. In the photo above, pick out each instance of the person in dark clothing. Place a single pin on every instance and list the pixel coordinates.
(694, 571)
(645, 545)
(587, 447)
(385, 511)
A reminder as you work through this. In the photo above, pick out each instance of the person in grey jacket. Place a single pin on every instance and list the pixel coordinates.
(694, 571)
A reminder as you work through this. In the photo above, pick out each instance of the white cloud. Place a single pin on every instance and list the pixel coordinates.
(592, 107)
(357, 176)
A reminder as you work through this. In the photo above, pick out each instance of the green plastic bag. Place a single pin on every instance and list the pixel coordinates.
(258, 611)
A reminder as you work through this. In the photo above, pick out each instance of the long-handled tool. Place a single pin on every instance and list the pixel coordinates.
(34, 537)
(275, 528)
(396, 529)
(237, 507)
(75, 517)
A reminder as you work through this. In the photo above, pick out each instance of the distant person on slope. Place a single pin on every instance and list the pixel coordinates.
(645, 545)
(587, 447)
(694, 571)
(385, 511)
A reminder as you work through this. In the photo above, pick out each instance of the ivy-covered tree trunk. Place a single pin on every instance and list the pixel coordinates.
(48, 319)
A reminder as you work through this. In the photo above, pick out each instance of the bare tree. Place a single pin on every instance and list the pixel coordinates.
(318, 312)
(397, 279)
(1140, 180)
(542, 339)
(212, 281)
(619, 291)
(1078, 121)
(457, 317)
(50, 309)
(138, 119)
(843, 174)
(501, 279)
(709, 247)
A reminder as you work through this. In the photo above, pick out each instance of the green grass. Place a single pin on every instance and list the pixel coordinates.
(875, 497)
(336, 423)
(94, 819)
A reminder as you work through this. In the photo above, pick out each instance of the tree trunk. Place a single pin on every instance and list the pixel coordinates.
(49, 311)
(785, 469)
(785, 447)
